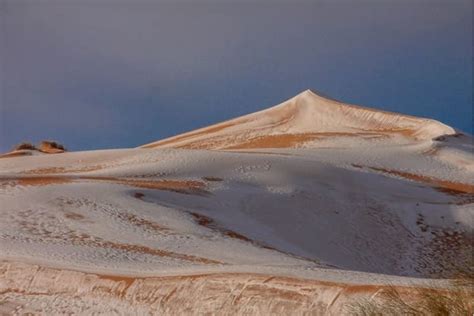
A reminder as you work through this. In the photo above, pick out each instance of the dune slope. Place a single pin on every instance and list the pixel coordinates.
(303, 119)
(304, 207)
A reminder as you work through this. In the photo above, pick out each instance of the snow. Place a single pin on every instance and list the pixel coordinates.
(309, 113)
(343, 208)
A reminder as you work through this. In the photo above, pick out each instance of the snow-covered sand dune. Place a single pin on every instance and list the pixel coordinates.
(306, 118)
(299, 208)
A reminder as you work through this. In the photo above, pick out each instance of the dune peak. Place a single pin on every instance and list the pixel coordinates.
(304, 120)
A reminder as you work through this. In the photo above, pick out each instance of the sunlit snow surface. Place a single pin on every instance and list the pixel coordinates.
(314, 213)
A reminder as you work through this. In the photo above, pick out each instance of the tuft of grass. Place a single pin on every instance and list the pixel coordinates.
(49, 144)
(458, 299)
(24, 146)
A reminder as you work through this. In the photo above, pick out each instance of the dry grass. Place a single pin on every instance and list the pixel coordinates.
(46, 146)
(49, 146)
(201, 293)
(458, 299)
(24, 146)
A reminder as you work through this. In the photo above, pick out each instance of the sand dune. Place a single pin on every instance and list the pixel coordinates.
(302, 208)
(302, 119)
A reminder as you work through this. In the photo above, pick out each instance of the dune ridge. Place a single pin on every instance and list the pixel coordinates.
(304, 118)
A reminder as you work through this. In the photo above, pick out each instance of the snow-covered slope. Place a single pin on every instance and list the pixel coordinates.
(302, 120)
(307, 226)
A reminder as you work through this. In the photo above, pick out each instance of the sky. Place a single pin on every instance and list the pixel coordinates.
(115, 74)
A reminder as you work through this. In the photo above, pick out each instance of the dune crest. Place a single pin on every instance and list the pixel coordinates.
(303, 119)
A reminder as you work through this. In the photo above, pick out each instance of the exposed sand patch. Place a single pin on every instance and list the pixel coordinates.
(275, 141)
(209, 223)
(37, 181)
(144, 223)
(188, 135)
(77, 238)
(258, 152)
(17, 153)
(407, 132)
(56, 170)
(73, 215)
(157, 252)
(277, 116)
(464, 192)
(177, 186)
(444, 185)
(268, 141)
(291, 140)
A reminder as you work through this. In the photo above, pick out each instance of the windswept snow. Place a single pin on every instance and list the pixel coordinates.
(300, 201)
(304, 118)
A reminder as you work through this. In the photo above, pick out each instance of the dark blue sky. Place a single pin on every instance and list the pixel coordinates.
(105, 74)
